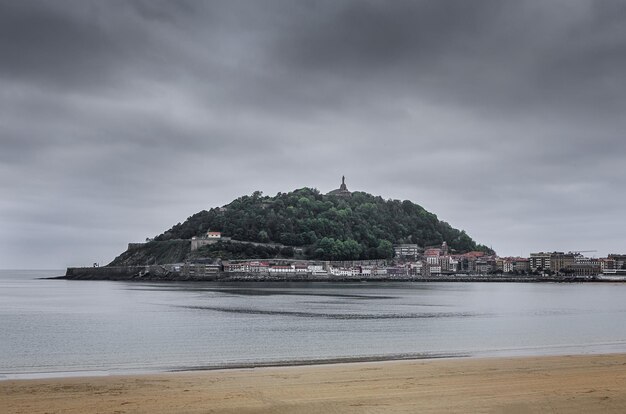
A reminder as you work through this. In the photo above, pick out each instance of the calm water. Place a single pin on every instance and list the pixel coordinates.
(54, 327)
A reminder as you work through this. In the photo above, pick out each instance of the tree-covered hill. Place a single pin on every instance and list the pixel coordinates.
(362, 226)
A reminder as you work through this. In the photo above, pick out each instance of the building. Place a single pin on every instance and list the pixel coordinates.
(259, 267)
(200, 269)
(433, 256)
(583, 269)
(342, 191)
(453, 264)
(415, 269)
(342, 271)
(539, 261)
(316, 269)
(556, 262)
(301, 268)
(619, 260)
(513, 264)
(397, 272)
(406, 251)
(282, 269)
(209, 237)
(560, 261)
(484, 266)
(242, 267)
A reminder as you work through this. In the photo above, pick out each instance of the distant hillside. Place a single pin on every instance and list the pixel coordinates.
(359, 226)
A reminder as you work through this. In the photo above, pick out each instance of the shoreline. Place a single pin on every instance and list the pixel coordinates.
(170, 273)
(95, 373)
(571, 383)
(558, 351)
(255, 278)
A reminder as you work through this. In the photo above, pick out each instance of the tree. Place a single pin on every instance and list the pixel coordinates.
(263, 237)
(287, 252)
(361, 226)
(385, 249)
(351, 250)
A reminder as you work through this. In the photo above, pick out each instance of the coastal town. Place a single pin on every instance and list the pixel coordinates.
(407, 261)
(410, 262)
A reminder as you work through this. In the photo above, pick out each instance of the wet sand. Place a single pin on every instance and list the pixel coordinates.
(563, 384)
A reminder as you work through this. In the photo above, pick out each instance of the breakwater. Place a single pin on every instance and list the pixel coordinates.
(153, 272)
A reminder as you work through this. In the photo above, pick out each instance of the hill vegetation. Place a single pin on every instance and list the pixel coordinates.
(326, 227)
(170, 251)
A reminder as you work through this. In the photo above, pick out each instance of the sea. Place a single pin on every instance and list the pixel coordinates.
(58, 328)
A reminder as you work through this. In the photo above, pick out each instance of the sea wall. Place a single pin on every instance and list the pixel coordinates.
(104, 273)
(154, 272)
(165, 273)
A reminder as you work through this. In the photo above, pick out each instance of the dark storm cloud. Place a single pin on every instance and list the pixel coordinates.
(40, 41)
(120, 118)
(481, 53)
(375, 35)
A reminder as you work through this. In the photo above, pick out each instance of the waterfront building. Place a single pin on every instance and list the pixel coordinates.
(281, 269)
(555, 262)
(539, 261)
(483, 266)
(397, 272)
(259, 267)
(416, 268)
(200, 269)
(379, 271)
(619, 260)
(342, 271)
(583, 269)
(316, 269)
(241, 267)
(560, 261)
(607, 264)
(513, 264)
(301, 268)
(453, 264)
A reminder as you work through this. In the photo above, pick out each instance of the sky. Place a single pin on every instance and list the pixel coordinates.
(119, 119)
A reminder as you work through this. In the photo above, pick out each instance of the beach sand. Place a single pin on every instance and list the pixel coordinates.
(562, 384)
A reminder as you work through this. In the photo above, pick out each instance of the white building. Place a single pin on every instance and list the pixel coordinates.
(316, 269)
(342, 271)
(281, 269)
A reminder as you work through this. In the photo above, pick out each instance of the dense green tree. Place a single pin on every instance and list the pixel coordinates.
(351, 250)
(385, 249)
(327, 227)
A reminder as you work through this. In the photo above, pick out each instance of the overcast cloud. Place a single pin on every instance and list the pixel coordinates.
(121, 118)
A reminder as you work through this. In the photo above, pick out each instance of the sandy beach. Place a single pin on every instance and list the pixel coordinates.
(562, 384)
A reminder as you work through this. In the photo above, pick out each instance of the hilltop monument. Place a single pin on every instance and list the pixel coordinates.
(342, 191)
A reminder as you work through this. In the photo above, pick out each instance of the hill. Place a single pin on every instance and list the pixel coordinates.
(329, 227)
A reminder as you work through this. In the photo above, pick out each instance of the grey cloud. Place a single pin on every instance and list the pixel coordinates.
(40, 42)
(125, 117)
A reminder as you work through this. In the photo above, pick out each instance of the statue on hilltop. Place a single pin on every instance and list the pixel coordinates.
(342, 191)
